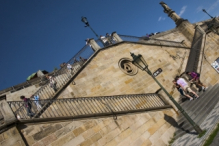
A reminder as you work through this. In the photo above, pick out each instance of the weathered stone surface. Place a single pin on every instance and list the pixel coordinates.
(40, 135)
(109, 136)
(96, 137)
(39, 143)
(87, 134)
(63, 139)
(15, 96)
(105, 80)
(12, 138)
(1, 138)
(62, 132)
(30, 140)
(49, 139)
(86, 143)
(76, 141)
(78, 131)
(6, 112)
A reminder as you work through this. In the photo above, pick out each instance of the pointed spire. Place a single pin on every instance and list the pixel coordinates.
(176, 18)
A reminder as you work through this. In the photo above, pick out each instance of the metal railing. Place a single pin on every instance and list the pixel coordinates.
(148, 40)
(63, 75)
(74, 108)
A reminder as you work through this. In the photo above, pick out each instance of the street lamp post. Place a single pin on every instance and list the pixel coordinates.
(84, 20)
(207, 13)
(142, 64)
(212, 26)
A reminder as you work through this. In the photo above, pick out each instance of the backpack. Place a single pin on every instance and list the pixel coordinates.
(27, 102)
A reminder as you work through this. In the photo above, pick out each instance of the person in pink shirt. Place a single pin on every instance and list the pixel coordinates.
(184, 85)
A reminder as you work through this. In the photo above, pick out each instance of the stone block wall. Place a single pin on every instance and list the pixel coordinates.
(173, 35)
(11, 137)
(149, 128)
(102, 76)
(15, 96)
(211, 52)
(187, 29)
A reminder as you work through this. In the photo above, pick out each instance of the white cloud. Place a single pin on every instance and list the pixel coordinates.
(161, 18)
(199, 9)
(183, 9)
(213, 6)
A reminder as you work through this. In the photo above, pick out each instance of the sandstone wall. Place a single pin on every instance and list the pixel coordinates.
(130, 130)
(11, 137)
(211, 52)
(173, 35)
(102, 76)
(15, 96)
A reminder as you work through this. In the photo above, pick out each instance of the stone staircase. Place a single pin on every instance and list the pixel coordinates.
(197, 109)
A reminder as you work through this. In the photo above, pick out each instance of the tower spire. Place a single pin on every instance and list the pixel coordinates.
(176, 18)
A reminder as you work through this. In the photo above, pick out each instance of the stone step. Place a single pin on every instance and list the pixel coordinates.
(188, 103)
(203, 101)
(198, 109)
(195, 104)
(207, 109)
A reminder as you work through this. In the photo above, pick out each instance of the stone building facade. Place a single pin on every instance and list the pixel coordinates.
(103, 75)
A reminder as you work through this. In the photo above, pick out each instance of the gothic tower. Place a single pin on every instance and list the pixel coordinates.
(183, 25)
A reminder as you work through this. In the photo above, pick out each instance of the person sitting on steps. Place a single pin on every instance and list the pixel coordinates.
(196, 79)
(182, 83)
(181, 90)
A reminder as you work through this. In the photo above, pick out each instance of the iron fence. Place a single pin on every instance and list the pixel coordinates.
(63, 75)
(72, 108)
(149, 40)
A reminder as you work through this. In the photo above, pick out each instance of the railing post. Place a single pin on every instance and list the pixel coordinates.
(116, 37)
(94, 45)
(6, 112)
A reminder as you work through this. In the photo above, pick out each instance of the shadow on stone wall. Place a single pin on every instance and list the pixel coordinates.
(173, 122)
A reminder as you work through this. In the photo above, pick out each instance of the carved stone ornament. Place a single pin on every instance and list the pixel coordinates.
(125, 64)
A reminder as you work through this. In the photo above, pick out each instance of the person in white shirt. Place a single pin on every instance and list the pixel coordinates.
(182, 83)
(69, 68)
(52, 82)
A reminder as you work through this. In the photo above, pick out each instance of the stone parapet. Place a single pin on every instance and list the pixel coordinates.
(6, 112)
(116, 37)
(94, 45)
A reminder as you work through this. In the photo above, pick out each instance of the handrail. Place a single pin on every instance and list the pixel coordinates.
(84, 107)
(149, 40)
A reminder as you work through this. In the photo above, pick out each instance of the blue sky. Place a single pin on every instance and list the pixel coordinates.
(41, 34)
